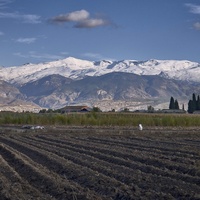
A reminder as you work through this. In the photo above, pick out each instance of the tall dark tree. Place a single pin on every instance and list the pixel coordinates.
(198, 103)
(176, 106)
(194, 101)
(172, 103)
(194, 97)
(191, 106)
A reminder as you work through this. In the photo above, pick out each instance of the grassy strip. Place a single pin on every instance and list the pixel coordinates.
(100, 119)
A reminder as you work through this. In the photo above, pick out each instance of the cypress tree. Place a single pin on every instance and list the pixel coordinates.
(172, 103)
(194, 97)
(191, 106)
(198, 103)
(176, 106)
(194, 101)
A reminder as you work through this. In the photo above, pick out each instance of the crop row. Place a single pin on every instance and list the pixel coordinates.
(70, 171)
(65, 165)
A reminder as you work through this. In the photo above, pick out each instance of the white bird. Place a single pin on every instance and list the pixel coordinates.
(140, 127)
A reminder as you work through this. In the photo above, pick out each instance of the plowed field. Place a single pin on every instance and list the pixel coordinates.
(99, 163)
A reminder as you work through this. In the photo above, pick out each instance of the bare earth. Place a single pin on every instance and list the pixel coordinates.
(99, 163)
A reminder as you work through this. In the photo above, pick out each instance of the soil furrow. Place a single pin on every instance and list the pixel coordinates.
(101, 163)
(15, 186)
(183, 169)
(46, 182)
(149, 176)
(71, 171)
(121, 173)
(133, 144)
(132, 148)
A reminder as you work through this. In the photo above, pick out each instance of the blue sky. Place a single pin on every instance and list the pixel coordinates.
(33, 31)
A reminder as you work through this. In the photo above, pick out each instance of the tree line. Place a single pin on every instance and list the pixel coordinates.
(173, 103)
(193, 104)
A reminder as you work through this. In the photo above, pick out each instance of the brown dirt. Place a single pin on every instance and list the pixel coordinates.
(99, 163)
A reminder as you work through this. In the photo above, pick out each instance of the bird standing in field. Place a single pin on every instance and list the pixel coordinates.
(140, 127)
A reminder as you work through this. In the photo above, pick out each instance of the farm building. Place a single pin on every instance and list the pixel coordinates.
(68, 109)
(179, 111)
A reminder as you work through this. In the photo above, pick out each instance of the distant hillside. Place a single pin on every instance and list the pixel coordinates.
(116, 86)
(11, 99)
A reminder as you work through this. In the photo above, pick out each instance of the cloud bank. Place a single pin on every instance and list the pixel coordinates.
(81, 18)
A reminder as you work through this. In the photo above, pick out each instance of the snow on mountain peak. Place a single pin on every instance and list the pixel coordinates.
(76, 69)
(74, 62)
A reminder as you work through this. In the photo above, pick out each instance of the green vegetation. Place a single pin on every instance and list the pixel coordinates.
(100, 119)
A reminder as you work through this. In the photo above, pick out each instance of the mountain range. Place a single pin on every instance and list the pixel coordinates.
(107, 84)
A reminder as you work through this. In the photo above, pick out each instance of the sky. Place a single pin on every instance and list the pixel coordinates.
(34, 31)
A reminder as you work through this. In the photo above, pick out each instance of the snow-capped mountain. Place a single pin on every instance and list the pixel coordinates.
(106, 84)
(77, 69)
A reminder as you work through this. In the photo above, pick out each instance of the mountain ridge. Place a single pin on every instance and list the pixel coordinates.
(77, 69)
(112, 87)
(106, 84)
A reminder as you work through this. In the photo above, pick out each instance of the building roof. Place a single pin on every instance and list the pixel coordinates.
(76, 108)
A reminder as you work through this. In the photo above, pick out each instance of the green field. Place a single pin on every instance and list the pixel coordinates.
(101, 119)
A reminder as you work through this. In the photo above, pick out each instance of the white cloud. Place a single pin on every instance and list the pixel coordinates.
(197, 25)
(82, 19)
(8, 15)
(31, 19)
(26, 18)
(91, 23)
(26, 40)
(72, 17)
(195, 9)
